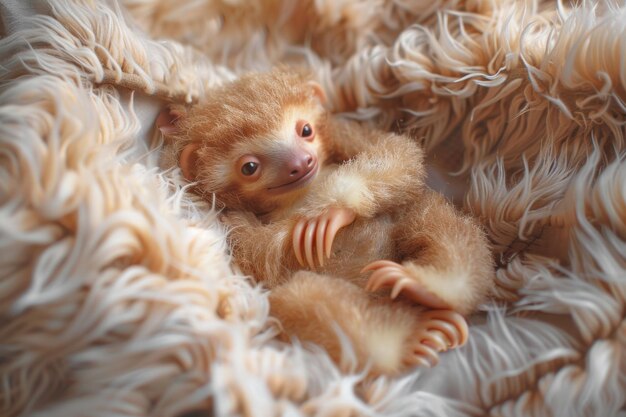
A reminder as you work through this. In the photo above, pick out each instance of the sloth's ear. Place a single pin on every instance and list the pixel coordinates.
(188, 161)
(318, 92)
(168, 119)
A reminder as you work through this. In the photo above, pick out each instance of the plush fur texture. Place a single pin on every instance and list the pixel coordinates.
(116, 295)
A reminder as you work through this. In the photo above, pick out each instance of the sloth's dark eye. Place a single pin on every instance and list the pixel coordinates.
(249, 168)
(307, 130)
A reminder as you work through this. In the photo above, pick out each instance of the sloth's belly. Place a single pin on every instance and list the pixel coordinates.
(355, 246)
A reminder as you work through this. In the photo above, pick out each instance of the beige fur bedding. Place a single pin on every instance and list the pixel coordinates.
(116, 294)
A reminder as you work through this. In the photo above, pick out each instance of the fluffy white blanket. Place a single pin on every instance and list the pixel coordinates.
(116, 293)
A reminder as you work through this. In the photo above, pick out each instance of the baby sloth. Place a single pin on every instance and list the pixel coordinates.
(335, 218)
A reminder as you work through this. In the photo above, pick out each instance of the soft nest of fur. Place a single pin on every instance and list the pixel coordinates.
(116, 293)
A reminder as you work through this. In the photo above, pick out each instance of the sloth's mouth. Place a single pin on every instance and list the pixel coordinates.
(297, 183)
